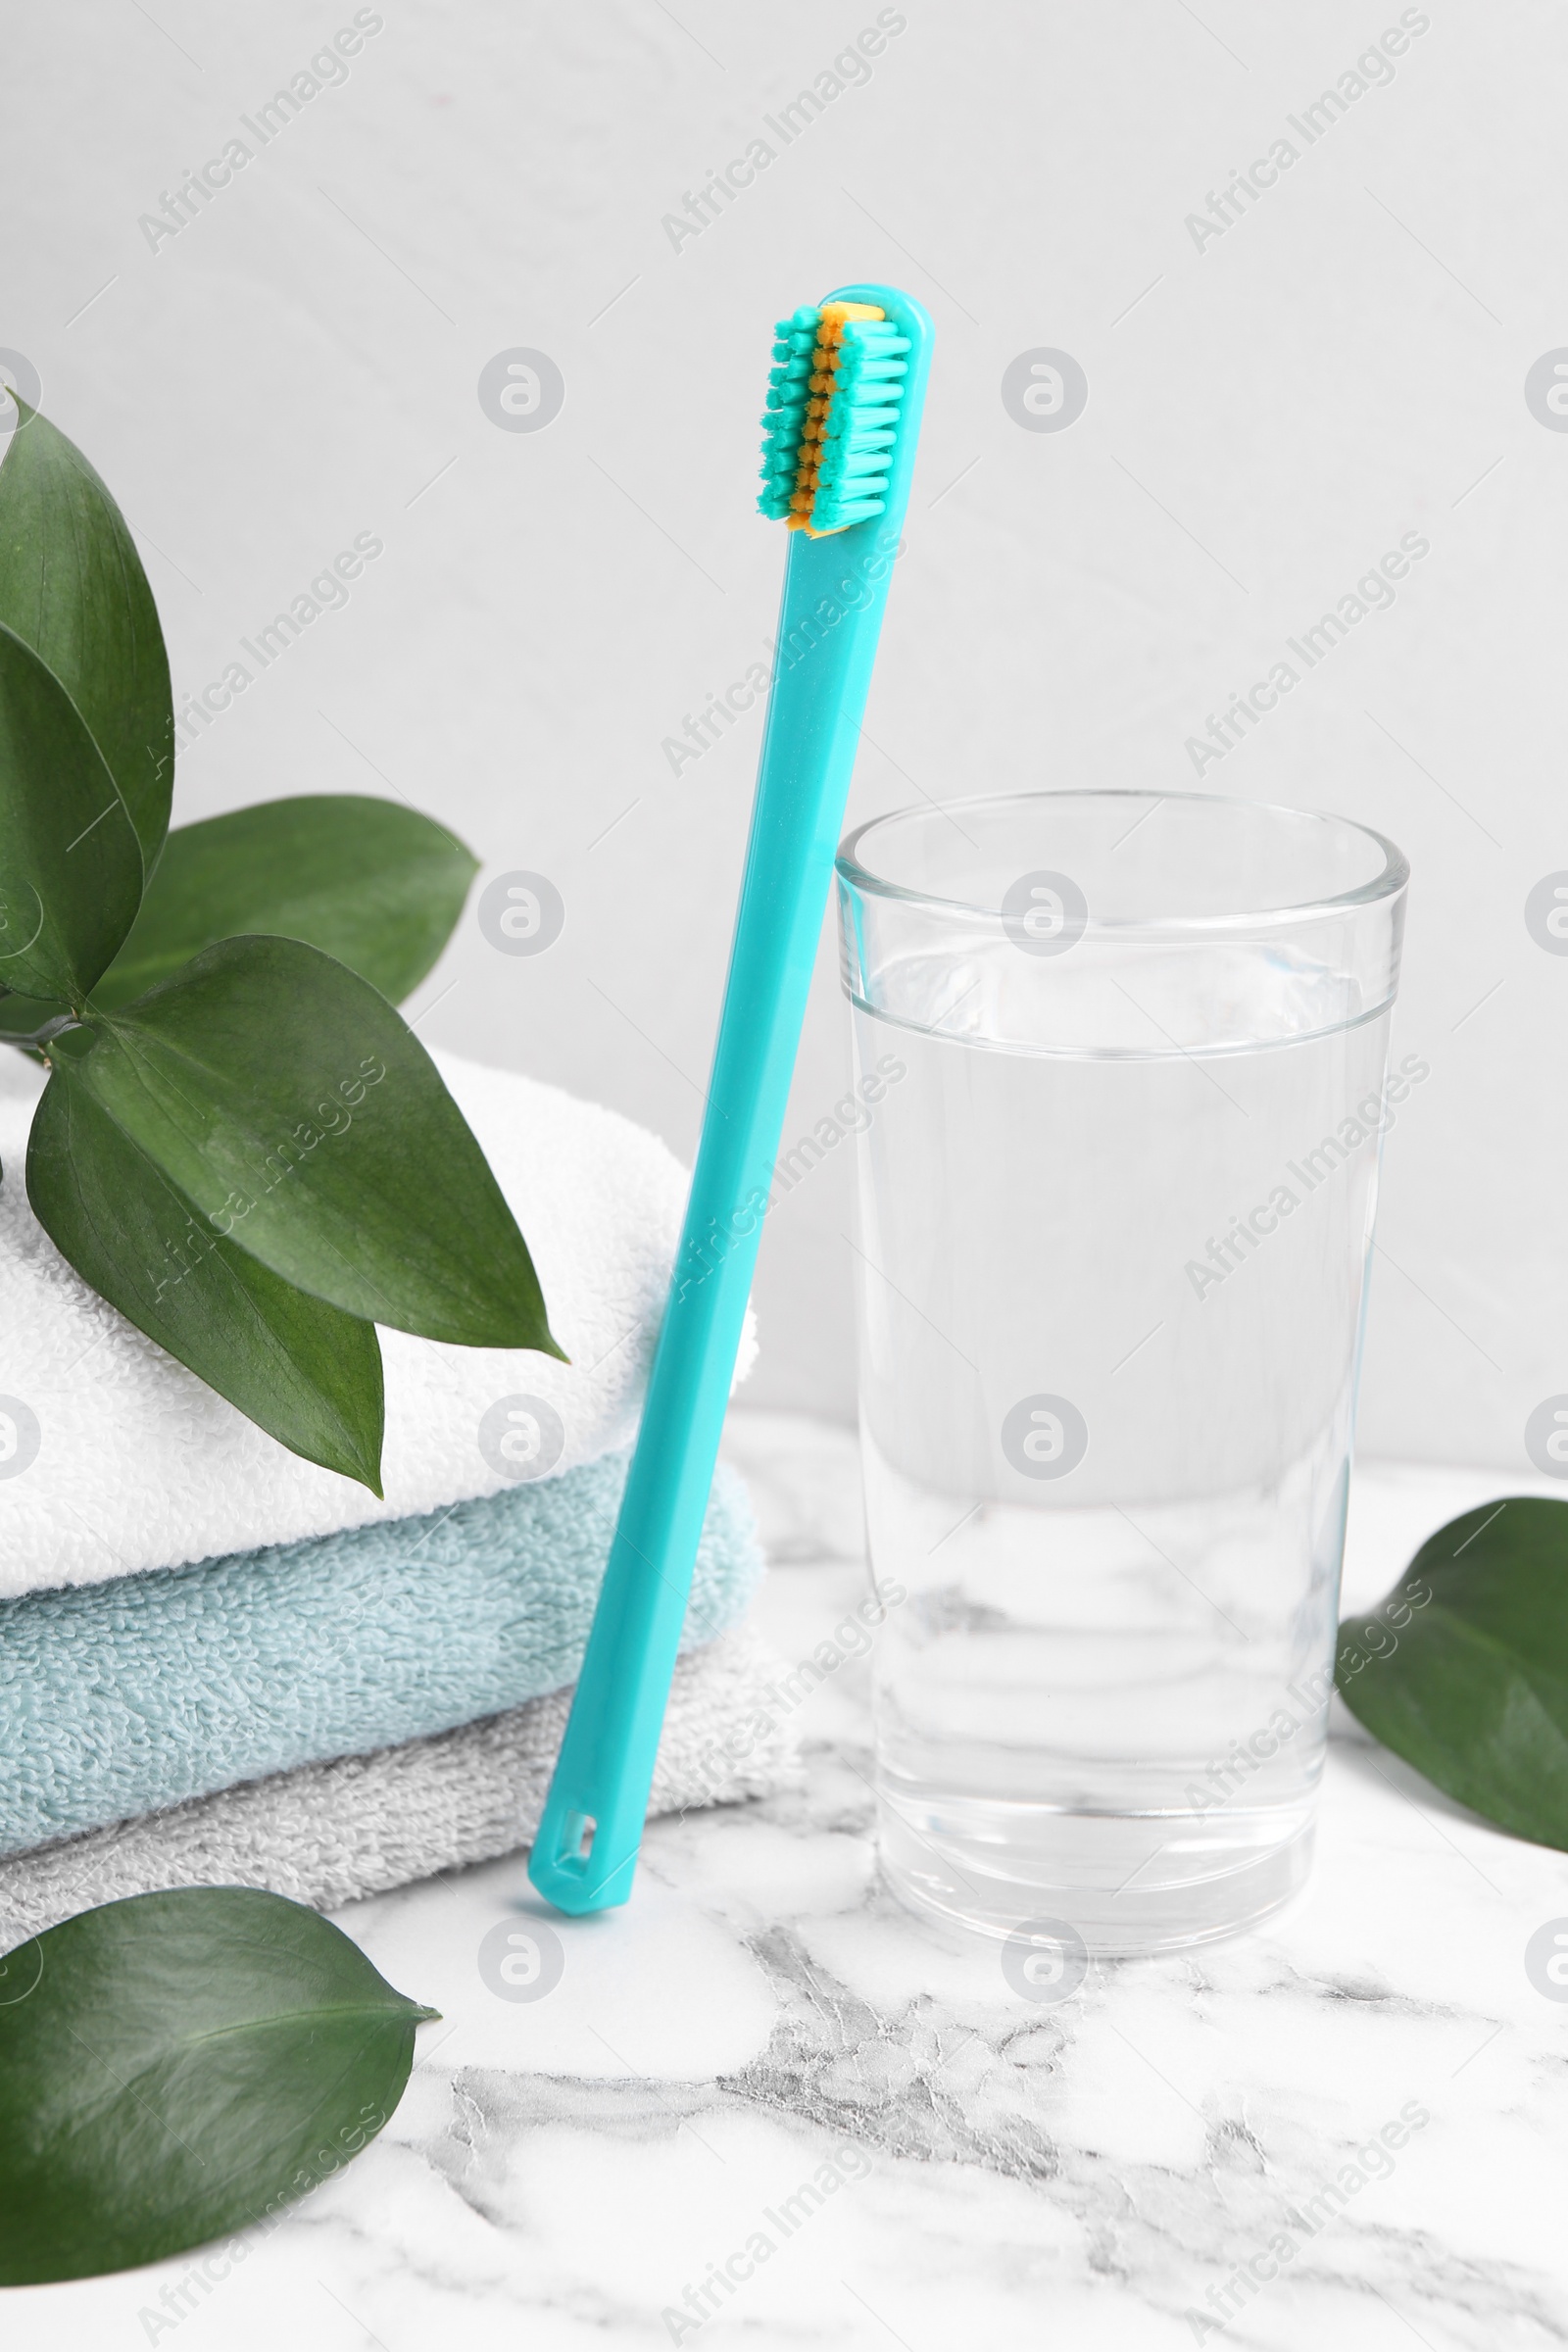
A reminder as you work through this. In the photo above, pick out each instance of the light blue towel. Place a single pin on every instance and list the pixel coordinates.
(119, 1698)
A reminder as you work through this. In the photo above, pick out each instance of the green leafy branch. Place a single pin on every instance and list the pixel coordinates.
(242, 1146)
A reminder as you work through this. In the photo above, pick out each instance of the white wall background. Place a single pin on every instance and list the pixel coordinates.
(1266, 415)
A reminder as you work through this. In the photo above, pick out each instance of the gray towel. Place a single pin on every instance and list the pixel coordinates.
(329, 1834)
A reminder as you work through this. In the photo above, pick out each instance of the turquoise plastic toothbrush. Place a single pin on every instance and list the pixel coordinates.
(844, 411)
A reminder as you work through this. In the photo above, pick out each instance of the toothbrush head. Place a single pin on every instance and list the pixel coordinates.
(833, 396)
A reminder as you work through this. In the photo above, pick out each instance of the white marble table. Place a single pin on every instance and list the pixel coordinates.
(982, 2171)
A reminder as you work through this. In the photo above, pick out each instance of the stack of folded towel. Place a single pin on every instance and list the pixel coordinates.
(221, 1665)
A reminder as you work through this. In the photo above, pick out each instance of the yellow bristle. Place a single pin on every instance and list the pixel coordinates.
(824, 369)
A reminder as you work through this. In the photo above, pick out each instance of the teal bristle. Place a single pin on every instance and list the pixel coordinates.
(848, 448)
(788, 383)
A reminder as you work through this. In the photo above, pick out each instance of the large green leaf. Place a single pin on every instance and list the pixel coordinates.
(71, 869)
(302, 1370)
(1463, 1668)
(378, 886)
(71, 586)
(175, 2067)
(287, 1101)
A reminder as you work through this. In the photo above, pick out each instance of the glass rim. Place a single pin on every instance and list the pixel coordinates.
(1387, 883)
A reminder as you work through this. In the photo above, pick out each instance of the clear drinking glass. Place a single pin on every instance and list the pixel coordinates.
(1125, 1061)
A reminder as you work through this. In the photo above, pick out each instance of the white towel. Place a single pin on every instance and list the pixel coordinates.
(140, 1465)
(329, 1834)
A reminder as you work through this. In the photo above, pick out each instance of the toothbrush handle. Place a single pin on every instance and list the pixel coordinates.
(585, 1851)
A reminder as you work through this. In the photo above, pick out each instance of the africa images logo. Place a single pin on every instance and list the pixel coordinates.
(521, 390)
(1045, 1437)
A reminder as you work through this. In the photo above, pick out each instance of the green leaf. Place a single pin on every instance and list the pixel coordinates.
(180, 2065)
(304, 1372)
(25, 1016)
(1463, 1668)
(72, 588)
(378, 886)
(71, 869)
(287, 1101)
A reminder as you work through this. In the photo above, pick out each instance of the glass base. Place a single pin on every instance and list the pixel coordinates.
(1124, 1884)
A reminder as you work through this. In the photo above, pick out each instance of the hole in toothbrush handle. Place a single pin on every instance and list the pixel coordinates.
(577, 1841)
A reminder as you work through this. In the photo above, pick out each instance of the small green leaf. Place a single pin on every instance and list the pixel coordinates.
(303, 1371)
(180, 2066)
(72, 588)
(378, 886)
(1463, 1668)
(71, 870)
(287, 1101)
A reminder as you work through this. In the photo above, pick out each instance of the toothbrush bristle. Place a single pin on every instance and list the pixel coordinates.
(833, 396)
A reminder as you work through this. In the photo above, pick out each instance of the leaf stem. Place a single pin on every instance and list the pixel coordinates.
(50, 1029)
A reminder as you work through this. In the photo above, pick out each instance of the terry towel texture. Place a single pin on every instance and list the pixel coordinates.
(126, 1697)
(329, 1834)
(138, 1465)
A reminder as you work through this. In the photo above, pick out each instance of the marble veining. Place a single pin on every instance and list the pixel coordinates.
(768, 2106)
